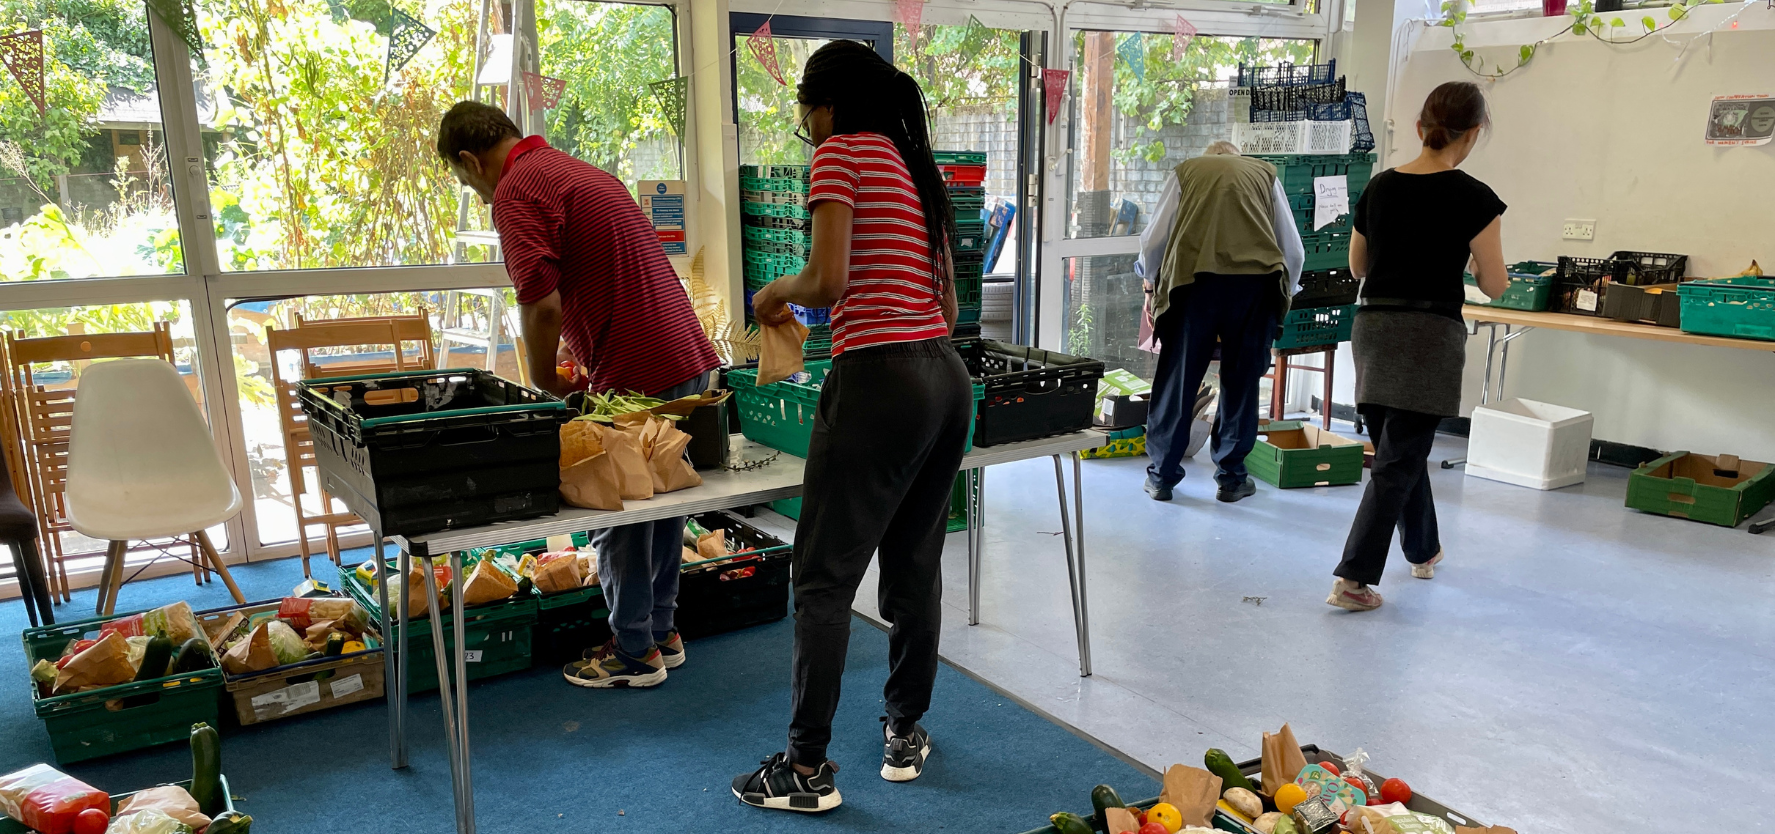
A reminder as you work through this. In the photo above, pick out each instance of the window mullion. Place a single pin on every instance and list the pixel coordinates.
(184, 148)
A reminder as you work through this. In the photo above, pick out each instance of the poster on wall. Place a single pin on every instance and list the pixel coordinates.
(1741, 120)
(663, 203)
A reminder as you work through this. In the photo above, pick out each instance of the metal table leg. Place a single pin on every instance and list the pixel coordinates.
(397, 739)
(1072, 573)
(444, 685)
(1078, 513)
(402, 627)
(466, 779)
(976, 505)
(1487, 393)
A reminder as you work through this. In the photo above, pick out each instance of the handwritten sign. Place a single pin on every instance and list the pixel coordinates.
(1331, 200)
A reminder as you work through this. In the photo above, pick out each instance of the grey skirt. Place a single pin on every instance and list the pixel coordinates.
(1409, 360)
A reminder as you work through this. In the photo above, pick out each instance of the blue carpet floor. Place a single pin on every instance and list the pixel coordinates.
(551, 757)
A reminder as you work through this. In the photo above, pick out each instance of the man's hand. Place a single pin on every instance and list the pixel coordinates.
(769, 308)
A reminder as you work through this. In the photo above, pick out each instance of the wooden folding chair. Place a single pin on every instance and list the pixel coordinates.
(298, 442)
(44, 415)
(414, 329)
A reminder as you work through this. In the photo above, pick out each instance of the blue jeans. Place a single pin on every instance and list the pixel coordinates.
(638, 566)
(1237, 313)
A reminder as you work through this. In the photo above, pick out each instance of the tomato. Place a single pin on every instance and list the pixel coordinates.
(1139, 815)
(1357, 784)
(92, 821)
(1395, 790)
(1332, 766)
(1153, 828)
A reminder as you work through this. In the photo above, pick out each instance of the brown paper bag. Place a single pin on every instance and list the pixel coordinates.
(252, 654)
(418, 601)
(561, 573)
(219, 629)
(1282, 759)
(624, 448)
(780, 354)
(712, 545)
(588, 568)
(105, 663)
(1120, 821)
(488, 584)
(690, 555)
(592, 483)
(172, 800)
(317, 634)
(671, 469)
(1194, 791)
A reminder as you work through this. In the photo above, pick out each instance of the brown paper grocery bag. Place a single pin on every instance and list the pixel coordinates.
(671, 469)
(105, 663)
(562, 573)
(1282, 759)
(488, 584)
(636, 482)
(780, 355)
(712, 545)
(592, 483)
(252, 654)
(1120, 821)
(1193, 791)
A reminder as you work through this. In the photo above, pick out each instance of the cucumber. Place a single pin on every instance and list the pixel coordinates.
(1066, 823)
(1104, 796)
(155, 659)
(194, 656)
(335, 645)
(1220, 764)
(206, 769)
(233, 822)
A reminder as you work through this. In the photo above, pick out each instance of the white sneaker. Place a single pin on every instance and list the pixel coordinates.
(1427, 570)
(1353, 596)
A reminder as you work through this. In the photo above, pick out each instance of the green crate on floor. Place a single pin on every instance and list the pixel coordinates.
(12, 826)
(1291, 455)
(1325, 251)
(970, 237)
(1297, 171)
(1531, 288)
(500, 632)
(569, 622)
(1695, 487)
(121, 718)
(1742, 307)
(1315, 326)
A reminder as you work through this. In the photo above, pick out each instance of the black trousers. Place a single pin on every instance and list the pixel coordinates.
(887, 443)
(1398, 495)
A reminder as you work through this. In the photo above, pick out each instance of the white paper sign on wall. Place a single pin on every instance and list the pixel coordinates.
(1331, 200)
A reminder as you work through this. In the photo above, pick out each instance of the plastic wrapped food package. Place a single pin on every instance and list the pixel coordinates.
(47, 800)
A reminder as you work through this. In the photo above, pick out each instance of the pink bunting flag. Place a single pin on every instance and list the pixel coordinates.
(543, 92)
(1054, 89)
(1182, 33)
(23, 55)
(911, 12)
(764, 50)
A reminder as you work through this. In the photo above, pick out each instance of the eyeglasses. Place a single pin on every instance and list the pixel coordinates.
(801, 127)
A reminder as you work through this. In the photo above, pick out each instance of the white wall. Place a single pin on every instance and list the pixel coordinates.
(1614, 133)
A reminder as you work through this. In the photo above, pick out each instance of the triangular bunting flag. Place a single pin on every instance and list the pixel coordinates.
(181, 16)
(764, 51)
(1053, 89)
(672, 94)
(533, 89)
(910, 13)
(1182, 33)
(973, 40)
(542, 92)
(406, 36)
(1133, 55)
(23, 55)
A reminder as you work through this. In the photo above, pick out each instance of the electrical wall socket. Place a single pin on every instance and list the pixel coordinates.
(1579, 230)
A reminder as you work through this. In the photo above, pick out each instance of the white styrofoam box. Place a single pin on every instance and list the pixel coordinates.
(1529, 443)
(1293, 137)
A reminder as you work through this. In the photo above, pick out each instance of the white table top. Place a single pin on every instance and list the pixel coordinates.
(720, 490)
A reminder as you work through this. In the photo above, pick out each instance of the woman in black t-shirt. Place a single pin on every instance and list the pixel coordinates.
(1417, 227)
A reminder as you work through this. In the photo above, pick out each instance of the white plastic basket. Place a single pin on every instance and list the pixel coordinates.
(1292, 137)
(1528, 443)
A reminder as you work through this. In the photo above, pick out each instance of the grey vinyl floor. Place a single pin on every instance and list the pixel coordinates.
(1574, 666)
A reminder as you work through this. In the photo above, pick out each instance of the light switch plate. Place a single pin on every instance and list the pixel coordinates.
(1579, 230)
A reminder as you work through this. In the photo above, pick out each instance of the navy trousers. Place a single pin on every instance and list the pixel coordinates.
(1236, 313)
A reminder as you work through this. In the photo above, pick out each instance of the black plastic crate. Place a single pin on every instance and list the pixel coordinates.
(420, 451)
(1327, 288)
(741, 590)
(1030, 393)
(1644, 268)
(1286, 74)
(1579, 284)
(1300, 97)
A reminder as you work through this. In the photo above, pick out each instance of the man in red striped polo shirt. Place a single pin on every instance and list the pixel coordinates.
(590, 271)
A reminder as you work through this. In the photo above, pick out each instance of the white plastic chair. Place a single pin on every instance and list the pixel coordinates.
(142, 465)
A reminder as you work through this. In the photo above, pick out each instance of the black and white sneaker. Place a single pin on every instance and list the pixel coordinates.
(777, 785)
(902, 757)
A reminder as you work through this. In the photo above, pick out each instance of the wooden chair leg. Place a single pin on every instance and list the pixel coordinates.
(113, 578)
(222, 569)
(33, 568)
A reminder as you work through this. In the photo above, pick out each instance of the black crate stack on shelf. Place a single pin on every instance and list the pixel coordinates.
(1581, 285)
(776, 234)
(965, 173)
(1306, 93)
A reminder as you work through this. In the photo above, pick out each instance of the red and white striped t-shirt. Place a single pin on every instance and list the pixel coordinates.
(892, 293)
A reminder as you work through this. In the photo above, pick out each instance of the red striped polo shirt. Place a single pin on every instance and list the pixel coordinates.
(566, 226)
(892, 293)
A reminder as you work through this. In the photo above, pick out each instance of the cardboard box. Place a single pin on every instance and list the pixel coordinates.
(1291, 455)
(1657, 304)
(1719, 490)
(1120, 382)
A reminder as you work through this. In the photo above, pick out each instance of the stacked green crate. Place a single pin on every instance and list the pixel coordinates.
(967, 196)
(1328, 247)
(775, 238)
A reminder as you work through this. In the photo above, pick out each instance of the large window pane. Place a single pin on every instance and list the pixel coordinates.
(1130, 129)
(767, 108)
(608, 53)
(1103, 307)
(84, 190)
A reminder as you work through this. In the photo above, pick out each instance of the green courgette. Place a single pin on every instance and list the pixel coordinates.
(155, 659)
(1068, 823)
(206, 769)
(1220, 764)
(194, 656)
(335, 645)
(1104, 796)
(233, 822)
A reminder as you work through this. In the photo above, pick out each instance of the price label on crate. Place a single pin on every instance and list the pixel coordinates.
(1331, 200)
(472, 656)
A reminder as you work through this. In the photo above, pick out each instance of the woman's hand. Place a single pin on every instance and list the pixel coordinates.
(768, 306)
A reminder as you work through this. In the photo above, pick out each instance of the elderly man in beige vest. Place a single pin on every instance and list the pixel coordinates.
(1220, 260)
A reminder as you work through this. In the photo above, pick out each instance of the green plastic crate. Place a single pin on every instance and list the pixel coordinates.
(959, 157)
(793, 185)
(1742, 307)
(789, 210)
(500, 631)
(1529, 289)
(1302, 206)
(970, 236)
(1297, 172)
(1689, 486)
(1328, 250)
(781, 415)
(794, 172)
(1315, 326)
(1291, 455)
(117, 719)
(763, 235)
